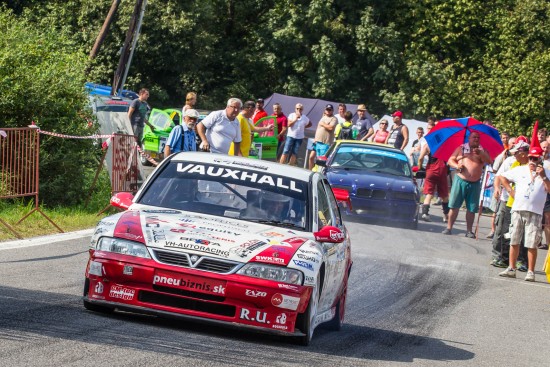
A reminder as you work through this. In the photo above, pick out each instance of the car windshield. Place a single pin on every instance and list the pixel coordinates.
(230, 192)
(161, 120)
(371, 159)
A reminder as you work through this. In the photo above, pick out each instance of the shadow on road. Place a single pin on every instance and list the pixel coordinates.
(35, 317)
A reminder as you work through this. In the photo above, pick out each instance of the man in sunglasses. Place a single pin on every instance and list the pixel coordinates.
(501, 238)
(532, 185)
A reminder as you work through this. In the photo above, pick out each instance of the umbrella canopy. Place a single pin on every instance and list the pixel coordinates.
(449, 134)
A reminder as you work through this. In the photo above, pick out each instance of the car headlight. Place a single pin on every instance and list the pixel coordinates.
(275, 273)
(123, 247)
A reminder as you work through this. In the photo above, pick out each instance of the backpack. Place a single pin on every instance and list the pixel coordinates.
(345, 133)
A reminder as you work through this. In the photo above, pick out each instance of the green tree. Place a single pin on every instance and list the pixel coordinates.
(41, 80)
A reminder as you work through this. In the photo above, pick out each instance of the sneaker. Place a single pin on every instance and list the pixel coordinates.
(542, 247)
(445, 218)
(498, 263)
(521, 266)
(446, 231)
(426, 218)
(470, 234)
(509, 272)
(490, 235)
(530, 277)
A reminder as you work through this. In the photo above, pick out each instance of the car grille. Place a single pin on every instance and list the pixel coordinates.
(186, 303)
(204, 263)
(404, 196)
(186, 293)
(370, 193)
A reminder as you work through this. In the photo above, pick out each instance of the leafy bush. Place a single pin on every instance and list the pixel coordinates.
(42, 80)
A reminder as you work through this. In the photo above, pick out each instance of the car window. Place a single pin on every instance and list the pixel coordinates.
(371, 159)
(160, 120)
(324, 215)
(229, 192)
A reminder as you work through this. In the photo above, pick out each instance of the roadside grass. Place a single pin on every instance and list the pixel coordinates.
(68, 219)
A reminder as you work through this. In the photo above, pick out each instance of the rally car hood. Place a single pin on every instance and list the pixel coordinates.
(204, 235)
(369, 179)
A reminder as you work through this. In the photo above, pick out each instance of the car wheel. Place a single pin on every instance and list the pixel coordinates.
(305, 320)
(144, 160)
(338, 320)
(90, 306)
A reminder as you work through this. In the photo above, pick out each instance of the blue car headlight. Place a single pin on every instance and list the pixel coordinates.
(275, 273)
(124, 247)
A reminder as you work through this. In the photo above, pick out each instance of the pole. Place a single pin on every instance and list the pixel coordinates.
(125, 52)
(103, 32)
(136, 35)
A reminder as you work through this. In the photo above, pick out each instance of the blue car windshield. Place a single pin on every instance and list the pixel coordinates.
(371, 159)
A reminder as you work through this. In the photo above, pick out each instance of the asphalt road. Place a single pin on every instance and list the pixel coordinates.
(415, 297)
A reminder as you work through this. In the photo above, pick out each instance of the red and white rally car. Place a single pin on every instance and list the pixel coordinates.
(228, 240)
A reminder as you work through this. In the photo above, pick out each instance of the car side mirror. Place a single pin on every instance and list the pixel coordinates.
(122, 200)
(342, 196)
(330, 234)
(321, 161)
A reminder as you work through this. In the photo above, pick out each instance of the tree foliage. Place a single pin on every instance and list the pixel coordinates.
(445, 57)
(41, 80)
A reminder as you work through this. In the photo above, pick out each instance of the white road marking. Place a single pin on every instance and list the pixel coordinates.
(44, 240)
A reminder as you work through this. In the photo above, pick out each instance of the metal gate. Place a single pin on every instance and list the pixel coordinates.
(19, 165)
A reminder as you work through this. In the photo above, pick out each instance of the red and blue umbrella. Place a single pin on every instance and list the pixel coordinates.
(449, 134)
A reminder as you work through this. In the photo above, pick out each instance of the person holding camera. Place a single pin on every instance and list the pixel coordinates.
(468, 160)
(532, 185)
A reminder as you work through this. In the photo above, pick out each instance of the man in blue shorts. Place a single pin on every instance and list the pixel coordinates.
(324, 135)
(468, 160)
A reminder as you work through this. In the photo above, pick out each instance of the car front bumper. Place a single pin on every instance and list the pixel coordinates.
(146, 286)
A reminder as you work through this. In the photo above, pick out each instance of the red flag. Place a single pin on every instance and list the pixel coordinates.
(535, 143)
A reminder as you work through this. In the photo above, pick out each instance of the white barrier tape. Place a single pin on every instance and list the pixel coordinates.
(105, 144)
(74, 136)
(146, 156)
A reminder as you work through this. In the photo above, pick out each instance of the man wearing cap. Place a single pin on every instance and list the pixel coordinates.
(182, 138)
(468, 159)
(399, 133)
(220, 128)
(501, 241)
(324, 135)
(247, 129)
(532, 186)
(364, 126)
(260, 112)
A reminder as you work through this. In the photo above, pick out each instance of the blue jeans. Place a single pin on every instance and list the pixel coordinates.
(292, 146)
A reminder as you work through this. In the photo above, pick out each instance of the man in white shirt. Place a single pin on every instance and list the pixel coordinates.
(297, 123)
(532, 185)
(221, 128)
(341, 112)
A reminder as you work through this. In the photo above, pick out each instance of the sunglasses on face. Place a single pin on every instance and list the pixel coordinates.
(534, 159)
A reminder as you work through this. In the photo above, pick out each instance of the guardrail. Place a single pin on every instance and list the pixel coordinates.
(19, 168)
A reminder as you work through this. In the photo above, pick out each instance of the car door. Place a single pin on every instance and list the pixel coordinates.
(326, 215)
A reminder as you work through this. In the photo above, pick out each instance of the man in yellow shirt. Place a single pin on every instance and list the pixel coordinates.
(247, 129)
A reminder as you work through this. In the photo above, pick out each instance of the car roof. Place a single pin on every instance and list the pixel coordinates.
(248, 163)
(369, 144)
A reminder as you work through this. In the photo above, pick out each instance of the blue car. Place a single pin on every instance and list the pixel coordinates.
(379, 179)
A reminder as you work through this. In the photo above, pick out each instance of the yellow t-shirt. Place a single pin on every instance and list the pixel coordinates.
(510, 201)
(246, 138)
